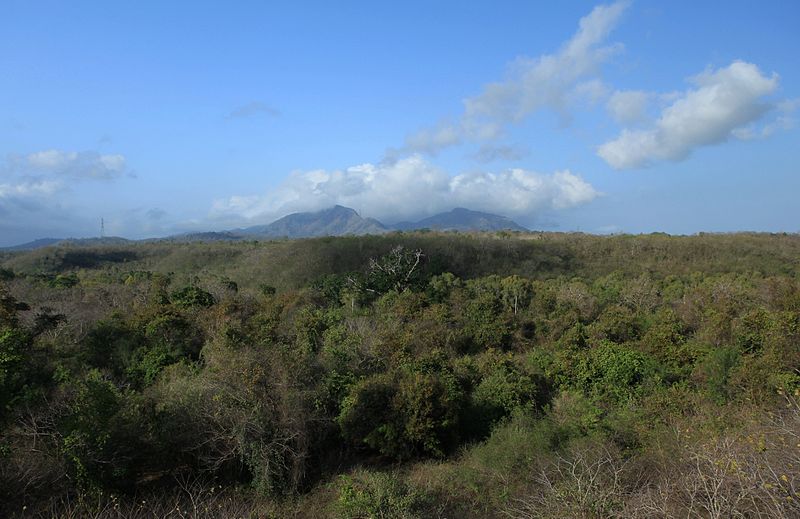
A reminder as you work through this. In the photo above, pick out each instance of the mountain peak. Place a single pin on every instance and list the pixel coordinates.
(333, 221)
(339, 209)
(463, 219)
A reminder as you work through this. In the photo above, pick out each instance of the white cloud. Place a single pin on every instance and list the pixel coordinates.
(410, 188)
(594, 91)
(75, 164)
(784, 120)
(628, 106)
(35, 191)
(432, 140)
(29, 189)
(489, 153)
(723, 101)
(27, 206)
(549, 81)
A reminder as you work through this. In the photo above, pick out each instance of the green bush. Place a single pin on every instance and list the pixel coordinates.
(267, 290)
(192, 296)
(616, 323)
(9, 308)
(401, 415)
(485, 322)
(110, 345)
(14, 345)
(102, 434)
(65, 280)
(613, 371)
(504, 387)
(378, 495)
(716, 369)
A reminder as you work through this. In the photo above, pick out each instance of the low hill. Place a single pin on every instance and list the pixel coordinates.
(461, 219)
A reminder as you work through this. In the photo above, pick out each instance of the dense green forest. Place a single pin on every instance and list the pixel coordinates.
(537, 375)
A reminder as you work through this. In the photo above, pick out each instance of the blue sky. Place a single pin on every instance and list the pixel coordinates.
(164, 117)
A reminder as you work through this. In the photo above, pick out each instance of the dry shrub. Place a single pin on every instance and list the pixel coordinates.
(590, 479)
(755, 473)
(189, 498)
(31, 464)
(751, 472)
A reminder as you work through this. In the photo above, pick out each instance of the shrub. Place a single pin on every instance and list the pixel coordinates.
(378, 494)
(192, 296)
(613, 371)
(102, 434)
(14, 344)
(617, 323)
(401, 415)
(715, 371)
(267, 290)
(65, 281)
(504, 387)
(485, 323)
(110, 345)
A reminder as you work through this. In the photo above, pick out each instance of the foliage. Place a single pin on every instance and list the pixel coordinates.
(14, 344)
(613, 371)
(530, 375)
(401, 415)
(385, 495)
(192, 296)
(101, 434)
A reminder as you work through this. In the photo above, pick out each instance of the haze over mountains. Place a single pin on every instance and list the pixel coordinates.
(335, 221)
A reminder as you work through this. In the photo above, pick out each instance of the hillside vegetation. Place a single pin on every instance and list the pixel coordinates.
(524, 375)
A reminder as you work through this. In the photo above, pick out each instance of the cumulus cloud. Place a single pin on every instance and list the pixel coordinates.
(410, 188)
(784, 120)
(723, 101)
(75, 164)
(489, 153)
(28, 209)
(594, 91)
(251, 109)
(33, 188)
(628, 106)
(548, 81)
(29, 189)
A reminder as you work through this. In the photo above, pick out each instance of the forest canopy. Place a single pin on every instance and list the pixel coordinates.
(404, 375)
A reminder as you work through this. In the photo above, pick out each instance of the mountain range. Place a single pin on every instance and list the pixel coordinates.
(460, 219)
(335, 221)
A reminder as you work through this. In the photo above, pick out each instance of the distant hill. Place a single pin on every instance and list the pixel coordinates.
(35, 244)
(460, 219)
(336, 221)
(93, 242)
(47, 242)
(206, 236)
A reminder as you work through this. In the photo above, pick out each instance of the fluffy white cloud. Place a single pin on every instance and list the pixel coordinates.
(551, 80)
(489, 153)
(723, 101)
(29, 188)
(628, 106)
(411, 188)
(76, 164)
(35, 191)
(784, 120)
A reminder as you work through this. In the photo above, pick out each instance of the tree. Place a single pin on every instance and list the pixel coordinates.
(398, 270)
(516, 292)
